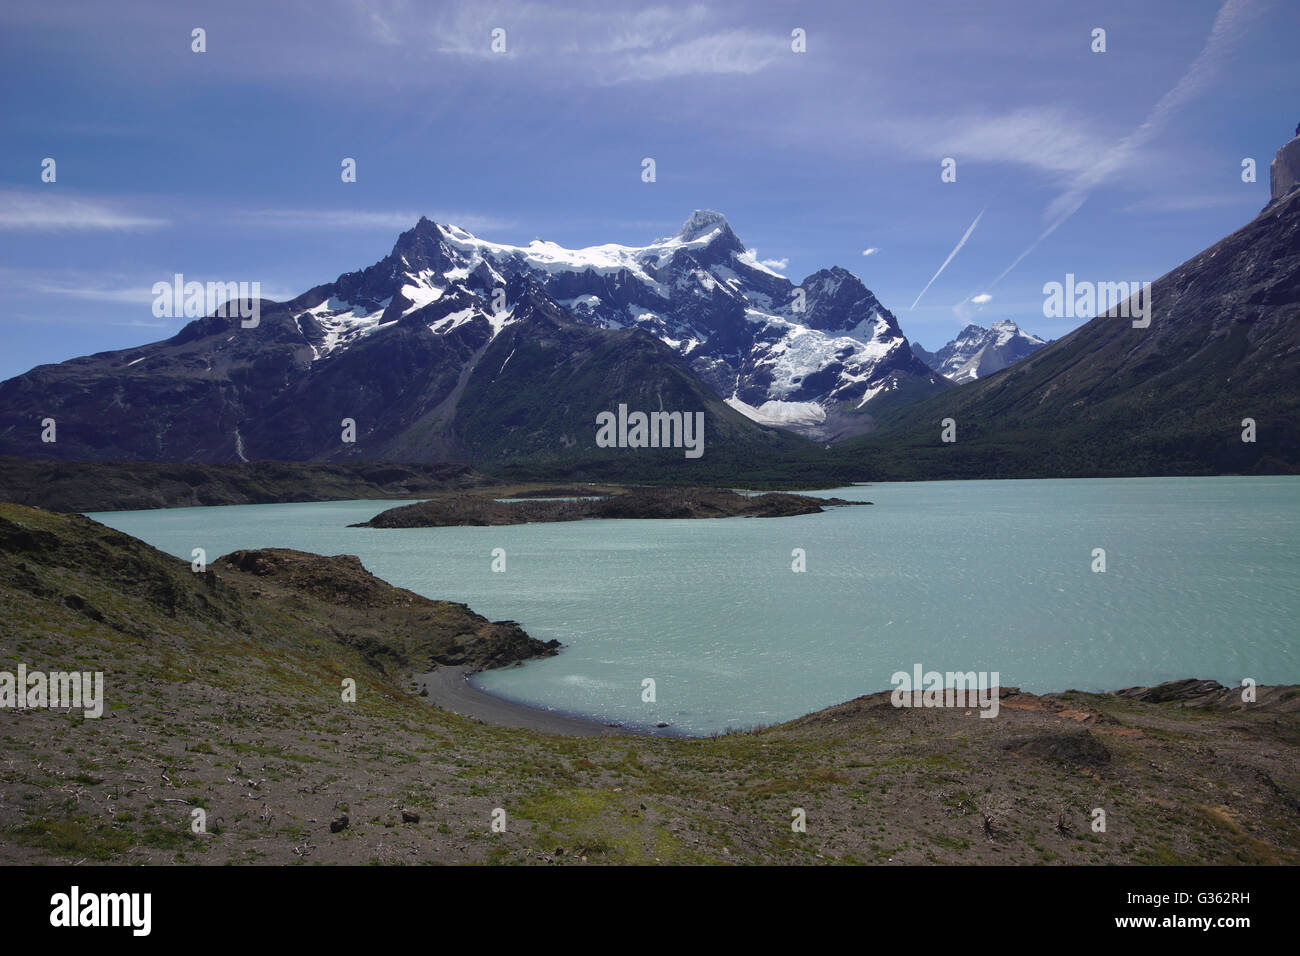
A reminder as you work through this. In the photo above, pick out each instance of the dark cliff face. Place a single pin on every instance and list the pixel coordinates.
(1284, 171)
(1223, 346)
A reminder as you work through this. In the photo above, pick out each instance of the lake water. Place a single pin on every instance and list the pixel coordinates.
(1202, 580)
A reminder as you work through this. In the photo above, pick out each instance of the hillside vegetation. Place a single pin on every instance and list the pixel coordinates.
(224, 694)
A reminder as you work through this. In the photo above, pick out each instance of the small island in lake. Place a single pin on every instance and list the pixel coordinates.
(479, 508)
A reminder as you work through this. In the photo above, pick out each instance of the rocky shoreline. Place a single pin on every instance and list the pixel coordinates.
(449, 688)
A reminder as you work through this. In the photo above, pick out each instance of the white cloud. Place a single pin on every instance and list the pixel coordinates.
(776, 265)
(54, 211)
(870, 252)
(982, 298)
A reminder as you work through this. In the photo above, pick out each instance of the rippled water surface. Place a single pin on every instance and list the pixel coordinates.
(1202, 579)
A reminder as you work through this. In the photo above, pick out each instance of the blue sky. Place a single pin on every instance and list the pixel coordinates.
(225, 165)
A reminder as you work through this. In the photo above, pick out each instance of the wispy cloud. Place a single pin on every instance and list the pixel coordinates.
(364, 220)
(1228, 27)
(732, 51)
(50, 210)
(611, 46)
(952, 255)
(30, 319)
(1050, 139)
(105, 287)
(870, 252)
(108, 288)
(1195, 203)
(137, 294)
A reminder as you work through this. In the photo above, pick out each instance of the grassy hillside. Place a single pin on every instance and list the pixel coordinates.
(223, 693)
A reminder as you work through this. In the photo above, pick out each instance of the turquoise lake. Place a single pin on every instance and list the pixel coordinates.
(1202, 580)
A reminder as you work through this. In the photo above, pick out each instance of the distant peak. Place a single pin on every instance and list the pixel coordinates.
(833, 274)
(421, 241)
(423, 227)
(1006, 324)
(701, 223)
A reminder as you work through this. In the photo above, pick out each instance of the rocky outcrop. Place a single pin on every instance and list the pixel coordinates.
(394, 630)
(1210, 694)
(1284, 171)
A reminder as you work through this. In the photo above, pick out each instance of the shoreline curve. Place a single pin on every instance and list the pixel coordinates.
(449, 688)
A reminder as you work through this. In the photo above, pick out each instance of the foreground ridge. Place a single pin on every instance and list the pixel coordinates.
(223, 694)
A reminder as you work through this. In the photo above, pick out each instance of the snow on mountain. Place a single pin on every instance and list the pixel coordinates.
(452, 347)
(978, 352)
(333, 324)
(775, 348)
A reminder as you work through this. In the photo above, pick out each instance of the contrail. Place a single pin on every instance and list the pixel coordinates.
(1229, 24)
(950, 257)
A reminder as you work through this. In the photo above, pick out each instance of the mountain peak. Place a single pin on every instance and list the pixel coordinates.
(978, 352)
(421, 244)
(701, 223)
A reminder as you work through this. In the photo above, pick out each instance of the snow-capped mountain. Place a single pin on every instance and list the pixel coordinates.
(979, 352)
(810, 357)
(454, 347)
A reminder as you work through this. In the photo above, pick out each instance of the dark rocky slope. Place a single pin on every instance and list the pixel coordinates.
(137, 485)
(1110, 399)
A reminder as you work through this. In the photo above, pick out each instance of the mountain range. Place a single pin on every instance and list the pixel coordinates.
(978, 352)
(452, 347)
